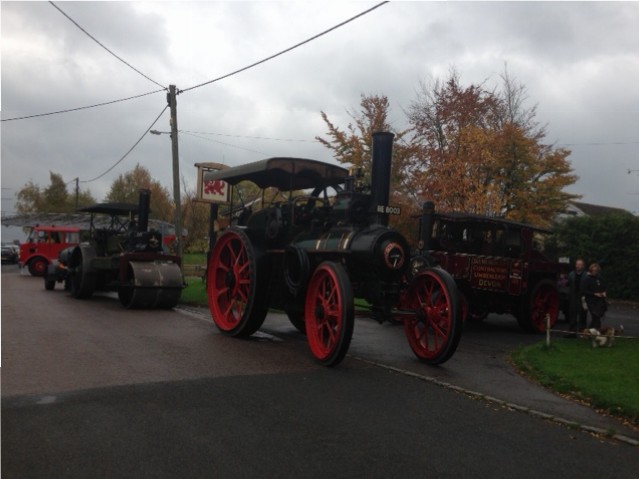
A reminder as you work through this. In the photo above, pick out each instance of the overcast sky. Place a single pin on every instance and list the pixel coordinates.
(579, 62)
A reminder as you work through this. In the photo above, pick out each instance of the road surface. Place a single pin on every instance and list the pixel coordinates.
(91, 389)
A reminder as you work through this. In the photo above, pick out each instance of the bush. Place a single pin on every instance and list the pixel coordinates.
(612, 241)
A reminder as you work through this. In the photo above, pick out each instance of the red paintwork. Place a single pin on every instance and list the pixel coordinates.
(46, 242)
(429, 331)
(229, 283)
(324, 311)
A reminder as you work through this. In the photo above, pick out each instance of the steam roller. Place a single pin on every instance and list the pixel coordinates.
(123, 255)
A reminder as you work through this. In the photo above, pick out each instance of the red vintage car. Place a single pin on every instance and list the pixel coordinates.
(44, 245)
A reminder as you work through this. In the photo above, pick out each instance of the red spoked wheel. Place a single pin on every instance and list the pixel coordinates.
(544, 300)
(329, 313)
(434, 331)
(236, 285)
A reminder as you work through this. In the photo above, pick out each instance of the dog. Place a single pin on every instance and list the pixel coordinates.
(602, 337)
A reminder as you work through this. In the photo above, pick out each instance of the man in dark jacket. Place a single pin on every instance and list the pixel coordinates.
(594, 289)
(577, 315)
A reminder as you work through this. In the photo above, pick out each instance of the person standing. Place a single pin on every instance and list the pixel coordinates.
(594, 289)
(577, 315)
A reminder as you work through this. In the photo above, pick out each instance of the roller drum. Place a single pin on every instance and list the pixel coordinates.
(152, 284)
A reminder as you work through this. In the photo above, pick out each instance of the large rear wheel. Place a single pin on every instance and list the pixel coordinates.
(543, 300)
(83, 280)
(296, 317)
(237, 283)
(329, 313)
(434, 332)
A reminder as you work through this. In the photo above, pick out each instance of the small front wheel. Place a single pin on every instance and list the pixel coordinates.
(49, 283)
(329, 313)
(434, 332)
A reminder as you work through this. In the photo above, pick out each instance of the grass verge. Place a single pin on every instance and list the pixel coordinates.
(194, 258)
(194, 293)
(605, 378)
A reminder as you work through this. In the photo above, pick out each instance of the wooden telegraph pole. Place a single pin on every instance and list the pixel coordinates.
(171, 98)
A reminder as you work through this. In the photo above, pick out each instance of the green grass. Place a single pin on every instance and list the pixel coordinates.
(194, 258)
(195, 292)
(606, 378)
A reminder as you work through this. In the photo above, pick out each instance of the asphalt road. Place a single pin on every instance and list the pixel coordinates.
(92, 390)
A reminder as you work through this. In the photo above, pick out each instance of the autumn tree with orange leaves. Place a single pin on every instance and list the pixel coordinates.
(467, 149)
(482, 152)
(352, 146)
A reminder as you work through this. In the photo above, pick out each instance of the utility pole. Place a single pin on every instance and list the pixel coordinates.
(171, 98)
(77, 192)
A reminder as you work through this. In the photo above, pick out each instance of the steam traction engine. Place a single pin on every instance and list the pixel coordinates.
(311, 255)
(123, 256)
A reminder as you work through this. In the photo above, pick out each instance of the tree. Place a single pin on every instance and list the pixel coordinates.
(29, 199)
(126, 189)
(195, 218)
(53, 199)
(353, 147)
(482, 152)
(612, 241)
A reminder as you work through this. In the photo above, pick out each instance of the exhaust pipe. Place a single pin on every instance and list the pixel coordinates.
(144, 207)
(426, 225)
(380, 175)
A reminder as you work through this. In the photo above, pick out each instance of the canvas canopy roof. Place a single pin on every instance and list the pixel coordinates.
(285, 174)
(119, 209)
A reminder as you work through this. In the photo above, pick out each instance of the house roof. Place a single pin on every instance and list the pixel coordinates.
(597, 210)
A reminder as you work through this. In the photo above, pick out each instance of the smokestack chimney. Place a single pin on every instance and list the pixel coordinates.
(144, 207)
(426, 225)
(380, 175)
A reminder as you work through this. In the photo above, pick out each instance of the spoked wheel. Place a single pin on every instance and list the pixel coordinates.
(237, 284)
(543, 300)
(434, 332)
(38, 266)
(329, 313)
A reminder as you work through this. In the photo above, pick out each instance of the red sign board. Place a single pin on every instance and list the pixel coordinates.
(209, 189)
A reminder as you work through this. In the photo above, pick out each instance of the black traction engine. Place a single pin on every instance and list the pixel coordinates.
(321, 244)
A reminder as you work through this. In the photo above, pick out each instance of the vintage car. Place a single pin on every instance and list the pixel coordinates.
(9, 255)
(320, 239)
(499, 266)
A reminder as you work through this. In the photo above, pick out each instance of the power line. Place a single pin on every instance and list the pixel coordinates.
(130, 149)
(250, 137)
(601, 143)
(223, 143)
(83, 107)
(98, 42)
(287, 50)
